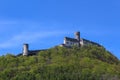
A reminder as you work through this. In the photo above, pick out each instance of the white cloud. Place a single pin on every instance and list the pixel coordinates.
(28, 37)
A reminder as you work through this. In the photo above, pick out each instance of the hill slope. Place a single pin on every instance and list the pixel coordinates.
(59, 63)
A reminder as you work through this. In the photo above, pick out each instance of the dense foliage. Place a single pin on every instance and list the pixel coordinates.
(59, 63)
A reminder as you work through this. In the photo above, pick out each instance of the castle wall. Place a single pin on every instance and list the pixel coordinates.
(70, 43)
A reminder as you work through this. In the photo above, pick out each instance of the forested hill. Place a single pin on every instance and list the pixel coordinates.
(60, 63)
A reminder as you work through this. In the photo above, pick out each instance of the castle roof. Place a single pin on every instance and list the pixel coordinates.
(71, 39)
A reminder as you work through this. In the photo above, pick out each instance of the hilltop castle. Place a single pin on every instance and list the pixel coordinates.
(68, 42)
(77, 41)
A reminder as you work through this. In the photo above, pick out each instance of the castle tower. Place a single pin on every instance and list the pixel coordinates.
(25, 49)
(77, 36)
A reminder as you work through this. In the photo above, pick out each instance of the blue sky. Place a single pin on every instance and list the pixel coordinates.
(44, 23)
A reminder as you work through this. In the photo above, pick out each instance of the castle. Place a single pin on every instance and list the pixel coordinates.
(77, 41)
(68, 42)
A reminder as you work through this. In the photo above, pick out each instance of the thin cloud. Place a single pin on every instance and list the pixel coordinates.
(29, 37)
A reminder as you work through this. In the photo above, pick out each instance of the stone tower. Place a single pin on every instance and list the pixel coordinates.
(25, 49)
(77, 36)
